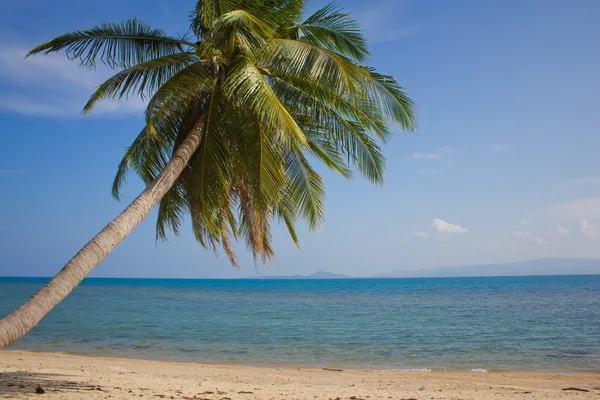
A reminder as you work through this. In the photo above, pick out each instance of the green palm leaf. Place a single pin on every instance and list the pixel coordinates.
(118, 45)
(247, 87)
(392, 100)
(306, 189)
(336, 31)
(141, 79)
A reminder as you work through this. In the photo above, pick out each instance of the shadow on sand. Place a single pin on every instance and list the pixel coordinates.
(23, 384)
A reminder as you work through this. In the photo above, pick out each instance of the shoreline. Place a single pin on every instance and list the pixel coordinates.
(65, 376)
(324, 366)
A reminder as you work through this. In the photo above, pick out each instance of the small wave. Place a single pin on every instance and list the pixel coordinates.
(414, 370)
(479, 370)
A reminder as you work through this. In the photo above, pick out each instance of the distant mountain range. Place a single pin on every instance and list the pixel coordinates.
(541, 266)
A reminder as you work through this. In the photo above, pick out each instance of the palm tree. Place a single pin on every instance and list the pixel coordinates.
(234, 117)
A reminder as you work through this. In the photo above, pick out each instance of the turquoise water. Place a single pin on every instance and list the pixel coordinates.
(532, 323)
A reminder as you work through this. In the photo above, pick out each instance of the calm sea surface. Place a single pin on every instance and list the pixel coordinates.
(533, 323)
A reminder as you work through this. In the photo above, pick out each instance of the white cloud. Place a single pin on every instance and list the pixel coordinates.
(588, 229)
(498, 147)
(585, 211)
(446, 227)
(422, 235)
(562, 230)
(521, 234)
(539, 241)
(425, 156)
(525, 223)
(52, 85)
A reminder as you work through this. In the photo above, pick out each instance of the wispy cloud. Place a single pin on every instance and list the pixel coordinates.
(562, 230)
(447, 227)
(589, 229)
(424, 156)
(525, 223)
(51, 85)
(497, 147)
(440, 153)
(539, 241)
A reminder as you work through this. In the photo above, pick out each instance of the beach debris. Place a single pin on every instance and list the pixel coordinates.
(39, 390)
(332, 369)
(245, 392)
(576, 389)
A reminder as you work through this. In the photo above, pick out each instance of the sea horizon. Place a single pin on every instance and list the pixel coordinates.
(528, 323)
(294, 277)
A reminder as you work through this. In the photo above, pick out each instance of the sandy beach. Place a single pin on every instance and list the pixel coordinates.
(63, 376)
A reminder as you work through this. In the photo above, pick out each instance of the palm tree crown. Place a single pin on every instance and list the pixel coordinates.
(273, 92)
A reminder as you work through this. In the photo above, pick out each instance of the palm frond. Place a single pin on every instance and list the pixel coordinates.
(118, 45)
(329, 155)
(364, 153)
(207, 12)
(210, 168)
(147, 155)
(314, 100)
(306, 189)
(246, 87)
(288, 214)
(191, 85)
(141, 79)
(172, 209)
(332, 29)
(243, 31)
(392, 100)
(317, 63)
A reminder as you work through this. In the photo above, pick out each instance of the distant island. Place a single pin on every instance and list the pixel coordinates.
(541, 266)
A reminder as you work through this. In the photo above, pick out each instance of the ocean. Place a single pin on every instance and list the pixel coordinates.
(503, 323)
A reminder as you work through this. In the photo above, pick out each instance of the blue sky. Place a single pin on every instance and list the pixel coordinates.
(504, 167)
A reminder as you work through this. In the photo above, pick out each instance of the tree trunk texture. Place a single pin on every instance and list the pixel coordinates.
(20, 321)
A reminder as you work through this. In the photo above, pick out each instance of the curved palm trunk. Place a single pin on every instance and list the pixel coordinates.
(17, 324)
